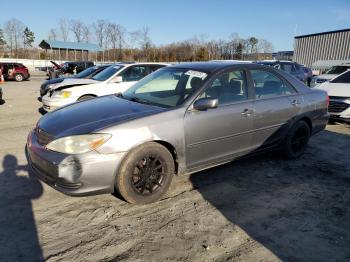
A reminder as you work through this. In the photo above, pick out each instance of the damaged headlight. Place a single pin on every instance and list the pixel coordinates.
(78, 144)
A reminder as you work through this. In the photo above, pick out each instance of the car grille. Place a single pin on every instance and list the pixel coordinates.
(43, 137)
(336, 105)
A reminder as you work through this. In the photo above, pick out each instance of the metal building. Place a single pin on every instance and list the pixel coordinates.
(332, 45)
(70, 50)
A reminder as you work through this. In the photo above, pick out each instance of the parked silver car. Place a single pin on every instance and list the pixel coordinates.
(179, 119)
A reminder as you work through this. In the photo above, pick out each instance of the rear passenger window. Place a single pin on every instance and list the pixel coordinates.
(228, 88)
(269, 85)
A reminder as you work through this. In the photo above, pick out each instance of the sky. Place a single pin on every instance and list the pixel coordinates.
(177, 20)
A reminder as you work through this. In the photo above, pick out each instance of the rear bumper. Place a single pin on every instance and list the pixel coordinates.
(75, 175)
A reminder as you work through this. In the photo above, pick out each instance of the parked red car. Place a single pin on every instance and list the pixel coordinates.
(14, 71)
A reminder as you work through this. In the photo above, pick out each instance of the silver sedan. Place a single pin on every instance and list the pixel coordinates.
(180, 119)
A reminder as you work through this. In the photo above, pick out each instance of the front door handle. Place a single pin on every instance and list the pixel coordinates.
(246, 112)
(295, 102)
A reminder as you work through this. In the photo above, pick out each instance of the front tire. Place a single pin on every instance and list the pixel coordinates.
(297, 140)
(19, 77)
(146, 173)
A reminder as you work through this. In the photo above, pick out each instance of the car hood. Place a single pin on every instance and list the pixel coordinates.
(326, 76)
(335, 89)
(53, 81)
(71, 82)
(93, 115)
(55, 64)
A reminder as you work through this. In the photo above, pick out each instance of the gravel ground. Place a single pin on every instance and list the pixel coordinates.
(257, 209)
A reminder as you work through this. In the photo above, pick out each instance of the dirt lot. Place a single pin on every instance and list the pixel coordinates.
(257, 209)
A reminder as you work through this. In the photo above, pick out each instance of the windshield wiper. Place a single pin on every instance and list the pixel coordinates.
(139, 100)
(119, 95)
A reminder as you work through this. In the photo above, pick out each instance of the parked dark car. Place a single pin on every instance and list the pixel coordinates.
(179, 119)
(290, 67)
(87, 73)
(14, 71)
(69, 68)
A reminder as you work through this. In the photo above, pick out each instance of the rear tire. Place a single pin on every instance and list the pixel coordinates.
(87, 97)
(19, 77)
(297, 140)
(146, 173)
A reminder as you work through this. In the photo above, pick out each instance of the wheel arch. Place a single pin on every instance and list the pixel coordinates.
(87, 95)
(308, 121)
(172, 150)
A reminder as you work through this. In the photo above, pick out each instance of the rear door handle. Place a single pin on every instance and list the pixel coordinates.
(246, 112)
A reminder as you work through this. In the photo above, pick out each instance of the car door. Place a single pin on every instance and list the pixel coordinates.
(129, 76)
(276, 103)
(222, 133)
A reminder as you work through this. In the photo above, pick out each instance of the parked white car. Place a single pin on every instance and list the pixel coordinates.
(331, 73)
(338, 90)
(114, 79)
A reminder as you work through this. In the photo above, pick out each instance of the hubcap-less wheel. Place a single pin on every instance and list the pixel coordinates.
(296, 140)
(145, 174)
(149, 174)
(299, 140)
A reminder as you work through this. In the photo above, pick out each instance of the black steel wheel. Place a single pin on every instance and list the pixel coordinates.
(297, 140)
(146, 173)
(149, 175)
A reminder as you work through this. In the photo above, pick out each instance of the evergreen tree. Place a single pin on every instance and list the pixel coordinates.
(28, 37)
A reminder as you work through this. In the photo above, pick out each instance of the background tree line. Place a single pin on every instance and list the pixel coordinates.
(16, 40)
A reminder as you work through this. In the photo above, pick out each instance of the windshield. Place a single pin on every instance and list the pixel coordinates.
(166, 87)
(343, 78)
(107, 73)
(86, 72)
(337, 70)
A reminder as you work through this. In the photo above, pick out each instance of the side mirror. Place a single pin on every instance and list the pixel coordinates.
(117, 79)
(206, 103)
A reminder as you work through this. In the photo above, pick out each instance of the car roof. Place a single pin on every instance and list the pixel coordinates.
(141, 63)
(209, 67)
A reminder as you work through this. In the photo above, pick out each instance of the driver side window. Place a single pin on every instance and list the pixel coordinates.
(134, 73)
(228, 88)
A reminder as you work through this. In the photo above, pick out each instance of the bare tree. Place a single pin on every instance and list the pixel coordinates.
(265, 46)
(52, 34)
(100, 31)
(14, 31)
(145, 38)
(86, 34)
(64, 29)
(115, 34)
(77, 27)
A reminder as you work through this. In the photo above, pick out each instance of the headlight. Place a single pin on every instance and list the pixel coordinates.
(78, 144)
(62, 94)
